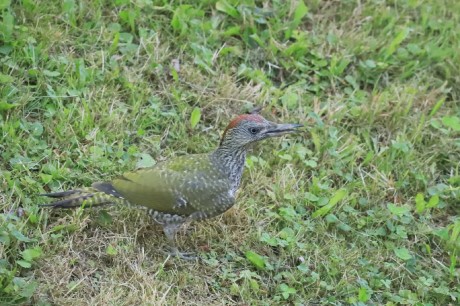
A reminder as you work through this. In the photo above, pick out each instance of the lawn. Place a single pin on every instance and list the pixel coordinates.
(360, 208)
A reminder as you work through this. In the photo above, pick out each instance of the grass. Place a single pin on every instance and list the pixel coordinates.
(362, 209)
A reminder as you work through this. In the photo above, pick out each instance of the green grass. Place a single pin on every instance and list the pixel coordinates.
(361, 209)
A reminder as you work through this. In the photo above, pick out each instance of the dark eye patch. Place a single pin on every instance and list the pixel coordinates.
(254, 130)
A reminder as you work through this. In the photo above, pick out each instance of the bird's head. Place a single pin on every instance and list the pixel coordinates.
(249, 128)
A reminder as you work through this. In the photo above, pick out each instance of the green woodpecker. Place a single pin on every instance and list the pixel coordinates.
(186, 188)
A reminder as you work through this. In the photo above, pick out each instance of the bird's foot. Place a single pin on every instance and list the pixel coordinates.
(174, 252)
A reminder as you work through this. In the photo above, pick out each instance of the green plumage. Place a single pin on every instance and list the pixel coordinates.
(181, 186)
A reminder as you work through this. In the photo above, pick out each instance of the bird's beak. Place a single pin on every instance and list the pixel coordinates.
(280, 129)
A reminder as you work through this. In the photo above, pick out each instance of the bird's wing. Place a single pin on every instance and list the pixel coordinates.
(181, 186)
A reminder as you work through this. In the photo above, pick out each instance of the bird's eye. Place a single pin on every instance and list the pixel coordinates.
(254, 130)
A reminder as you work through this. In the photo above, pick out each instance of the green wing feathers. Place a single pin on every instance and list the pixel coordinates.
(181, 186)
(145, 188)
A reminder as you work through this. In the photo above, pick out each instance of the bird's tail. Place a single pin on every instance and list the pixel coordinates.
(97, 195)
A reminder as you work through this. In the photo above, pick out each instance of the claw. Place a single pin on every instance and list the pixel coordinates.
(174, 252)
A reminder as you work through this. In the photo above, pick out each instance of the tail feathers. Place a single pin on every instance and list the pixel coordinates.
(59, 194)
(89, 197)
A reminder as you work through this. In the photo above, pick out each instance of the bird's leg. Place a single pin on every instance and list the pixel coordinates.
(170, 231)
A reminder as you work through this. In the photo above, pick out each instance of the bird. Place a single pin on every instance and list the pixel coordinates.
(186, 188)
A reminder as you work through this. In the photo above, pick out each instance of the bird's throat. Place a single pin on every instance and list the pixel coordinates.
(231, 161)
